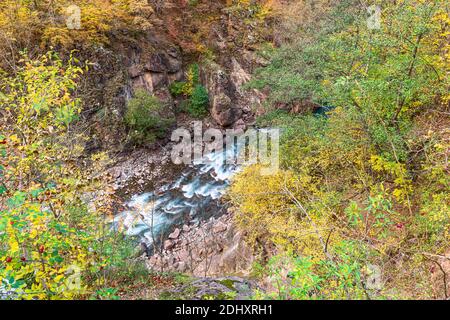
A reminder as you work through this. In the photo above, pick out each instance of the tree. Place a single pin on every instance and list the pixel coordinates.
(372, 171)
(48, 231)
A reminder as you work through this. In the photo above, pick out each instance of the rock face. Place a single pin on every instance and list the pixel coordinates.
(222, 42)
(222, 109)
(439, 269)
(212, 248)
(154, 72)
(153, 64)
(230, 102)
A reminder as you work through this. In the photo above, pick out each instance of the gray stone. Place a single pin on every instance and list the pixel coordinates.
(158, 80)
(168, 244)
(175, 234)
(183, 255)
(156, 63)
(134, 71)
(173, 65)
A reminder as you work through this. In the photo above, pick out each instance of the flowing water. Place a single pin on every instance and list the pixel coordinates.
(193, 196)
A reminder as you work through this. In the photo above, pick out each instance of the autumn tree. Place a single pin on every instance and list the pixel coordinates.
(49, 230)
(366, 181)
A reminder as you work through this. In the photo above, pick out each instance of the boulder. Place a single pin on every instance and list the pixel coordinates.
(238, 76)
(240, 125)
(219, 227)
(134, 71)
(173, 65)
(175, 234)
(216, 289)
(168, 244)
(222, 110)
(156, 63)
(229, 101)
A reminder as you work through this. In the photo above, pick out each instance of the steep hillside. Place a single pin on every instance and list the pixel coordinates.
(92, 206)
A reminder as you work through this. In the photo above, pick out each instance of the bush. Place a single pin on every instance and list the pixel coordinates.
(306, 278)
(42, 24)
(187, 87)
(48, 235)
(371, 172)
(145, 118)
(176, 88)
(198, 103)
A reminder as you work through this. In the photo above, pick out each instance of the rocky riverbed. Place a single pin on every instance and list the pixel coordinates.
(178, 215)
(208, 248)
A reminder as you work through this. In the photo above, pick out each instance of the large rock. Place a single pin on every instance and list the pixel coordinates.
(156, 71)
(156, 63)
(212, 248)
(222, 96)
(222, 110)
(439, 270)
(175, 234)
(230, 102)
(238, 76)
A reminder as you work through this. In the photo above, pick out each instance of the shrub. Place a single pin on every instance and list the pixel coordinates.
(176, 88)
(306, 278)
(47, 232)
(198, 103)
(187, 87)
(193, 78)
(371, 172)
(42, 24)
(145, 118)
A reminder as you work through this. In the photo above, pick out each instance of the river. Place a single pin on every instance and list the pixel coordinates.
(195, 194)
